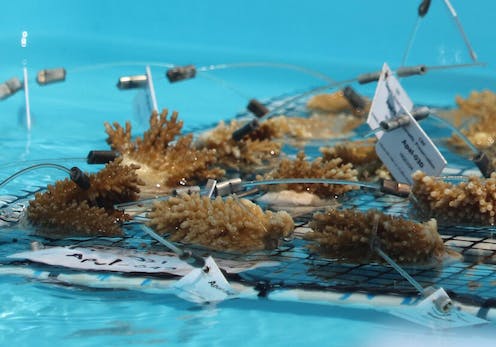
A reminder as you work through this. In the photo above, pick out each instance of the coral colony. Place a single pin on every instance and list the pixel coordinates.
(163, 159)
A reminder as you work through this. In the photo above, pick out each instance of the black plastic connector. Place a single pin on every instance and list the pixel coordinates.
(10, 87)
(356, 101)
(80, 178)
(424, 8)
(407, 71)
(180, 73)
(257, 108)
(482, 161)
(245, 130)
(101, 157)
(369, 77)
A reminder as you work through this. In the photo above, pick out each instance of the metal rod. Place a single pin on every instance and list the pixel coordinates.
(400, 270)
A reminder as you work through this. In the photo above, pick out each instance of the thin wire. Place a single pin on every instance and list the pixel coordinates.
(410, 41)
(310, 72)
(457, 132)
(400, 270)
(34, 167)
(163, 241)
(83, 68)
(460, 29)
(38, 161)
(310, 181)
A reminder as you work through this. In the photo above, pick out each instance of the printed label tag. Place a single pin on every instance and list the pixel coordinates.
(204, 286)
(426, 314)
(388, 100)
(408, 148)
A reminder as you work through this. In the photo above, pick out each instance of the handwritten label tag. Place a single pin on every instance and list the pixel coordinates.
(408, 148)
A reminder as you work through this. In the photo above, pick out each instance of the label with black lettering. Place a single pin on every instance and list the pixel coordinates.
(408, 148)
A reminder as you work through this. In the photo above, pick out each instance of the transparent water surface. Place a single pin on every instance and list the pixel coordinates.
(97, 42)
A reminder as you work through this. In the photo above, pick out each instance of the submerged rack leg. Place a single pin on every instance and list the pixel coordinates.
(186, 255)
(400, 270)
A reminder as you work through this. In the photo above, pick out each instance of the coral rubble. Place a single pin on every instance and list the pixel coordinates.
(300, 168)
(232, 224)
(350, 236)
(473, 201)
(66, 210)
(164, 157)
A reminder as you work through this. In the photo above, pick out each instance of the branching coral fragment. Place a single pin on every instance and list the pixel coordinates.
(363, 157)
(253, 150)
(161, 160)
(473, 201)
(65, 209)
(479, 109)
(230, 224)
(348, 235)
(300, 168)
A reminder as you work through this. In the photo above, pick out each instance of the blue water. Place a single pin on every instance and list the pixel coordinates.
(341, 39)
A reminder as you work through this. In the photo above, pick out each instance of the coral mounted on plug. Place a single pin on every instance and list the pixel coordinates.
(300, 168)
(350, 236)
(66, 209)
(226, 225)
(250, 152)
(478, 111)
(166, 159)
(470, 202)
(363, 157)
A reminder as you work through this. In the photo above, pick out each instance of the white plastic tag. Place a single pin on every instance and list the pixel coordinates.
(125, 260)
(103, 259)
(385, 104)
(426, 314)
(205, 286)
(408, 148)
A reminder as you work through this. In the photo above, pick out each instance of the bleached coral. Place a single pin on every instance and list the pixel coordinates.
(227, 225)
(351, 235)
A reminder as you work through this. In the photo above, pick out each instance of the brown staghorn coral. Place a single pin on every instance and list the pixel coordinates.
(162, 161)
(479, 110)
(253, 150)
(363, 157)
(66, 210)
(473, 201)
(335, 103)
(300, 168)
(348, 235)
(231, 224)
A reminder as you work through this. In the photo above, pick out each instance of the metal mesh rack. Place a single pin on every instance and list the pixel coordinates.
(471, 280)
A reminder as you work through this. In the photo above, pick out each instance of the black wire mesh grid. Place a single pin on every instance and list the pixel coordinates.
(471, 280)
